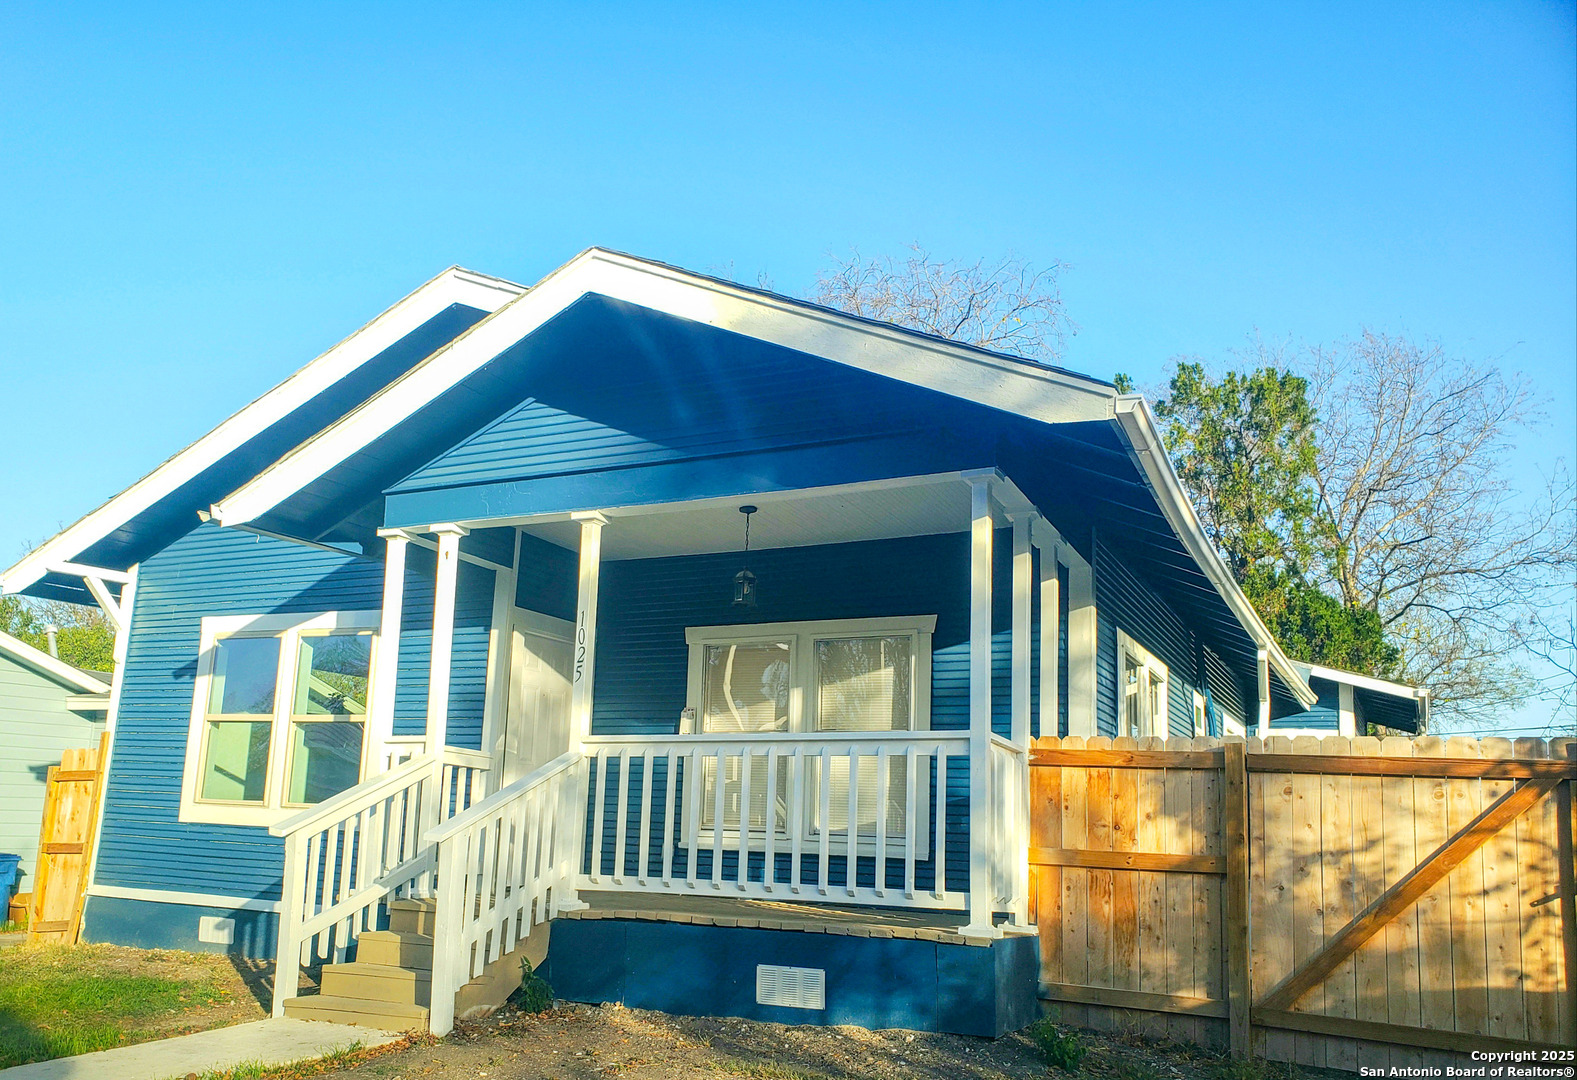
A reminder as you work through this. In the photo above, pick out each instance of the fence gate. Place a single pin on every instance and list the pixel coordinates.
(65, 844)
(1337, 902)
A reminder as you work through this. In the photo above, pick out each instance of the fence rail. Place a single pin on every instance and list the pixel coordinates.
(1337, 902)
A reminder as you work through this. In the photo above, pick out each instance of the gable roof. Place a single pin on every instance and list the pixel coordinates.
(55, 669)
(1014, 385)
(1021, 388)
(132, 524)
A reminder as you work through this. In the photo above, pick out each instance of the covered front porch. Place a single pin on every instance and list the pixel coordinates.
(856, 739)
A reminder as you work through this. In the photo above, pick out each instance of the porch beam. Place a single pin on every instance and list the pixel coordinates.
(982, 821)
(443, 635)
(386, 675)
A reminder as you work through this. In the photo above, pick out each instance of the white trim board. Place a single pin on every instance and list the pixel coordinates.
(1019, 387)
(453, 286)
(171, 896)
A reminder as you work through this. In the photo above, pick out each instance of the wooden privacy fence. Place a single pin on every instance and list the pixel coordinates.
(65, 844)
(1337, 902)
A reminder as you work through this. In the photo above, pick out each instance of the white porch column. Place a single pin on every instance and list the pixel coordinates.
(443, 635)
(585, 660)
(582, 678)
(1050, 633)
(1023, 583)
(1082, 646)
(1013, 842)
(982, 819)
(385, 676)
(1262, 677)
(1347, 715)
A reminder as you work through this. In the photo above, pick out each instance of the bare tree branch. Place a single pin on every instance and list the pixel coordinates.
(1005, 305)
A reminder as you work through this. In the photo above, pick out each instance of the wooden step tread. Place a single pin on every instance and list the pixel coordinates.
(413, 905)
(361, 969)
(404, 937)
(385, 1015)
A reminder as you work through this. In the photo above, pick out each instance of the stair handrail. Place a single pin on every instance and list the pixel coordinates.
(505, 865)
(345, 857)
(331, 809)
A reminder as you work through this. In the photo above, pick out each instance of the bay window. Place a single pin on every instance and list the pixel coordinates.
(279, 714)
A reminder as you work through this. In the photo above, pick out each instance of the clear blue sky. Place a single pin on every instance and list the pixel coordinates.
(194, 202)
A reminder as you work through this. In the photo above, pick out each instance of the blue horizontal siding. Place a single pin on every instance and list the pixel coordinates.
(468, 665)
(1125, 601)
(1325, 714)
(212, 571)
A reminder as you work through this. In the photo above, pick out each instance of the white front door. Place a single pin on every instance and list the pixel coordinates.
(537, 728)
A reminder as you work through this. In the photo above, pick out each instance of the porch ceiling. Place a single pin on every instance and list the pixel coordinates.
(919, 507)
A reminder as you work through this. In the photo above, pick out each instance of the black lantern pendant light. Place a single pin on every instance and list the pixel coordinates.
(745, 581)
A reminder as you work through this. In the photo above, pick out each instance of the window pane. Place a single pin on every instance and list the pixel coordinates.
(331, 675)
(747, 687)
(325, 759)
(235, 765)
(245, 669)
(864, 684)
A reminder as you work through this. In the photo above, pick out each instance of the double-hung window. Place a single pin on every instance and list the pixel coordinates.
(1142, 690)
(278, 714)
(855, 675)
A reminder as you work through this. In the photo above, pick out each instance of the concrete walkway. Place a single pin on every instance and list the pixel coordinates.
(272, 1042)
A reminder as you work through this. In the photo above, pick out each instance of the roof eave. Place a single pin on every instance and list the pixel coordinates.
(454, 285)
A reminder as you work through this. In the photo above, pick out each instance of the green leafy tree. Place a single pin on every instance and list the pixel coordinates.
(85, 638)
(1245, 449)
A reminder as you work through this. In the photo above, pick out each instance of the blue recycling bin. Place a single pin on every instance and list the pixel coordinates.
(8, 870)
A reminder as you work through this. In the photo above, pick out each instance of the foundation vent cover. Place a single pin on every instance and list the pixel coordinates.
(793, 987)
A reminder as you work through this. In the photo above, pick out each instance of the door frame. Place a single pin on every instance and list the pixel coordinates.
(535, 622)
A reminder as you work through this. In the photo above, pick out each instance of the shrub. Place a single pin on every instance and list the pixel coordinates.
(534, 995)
(1064, 1049)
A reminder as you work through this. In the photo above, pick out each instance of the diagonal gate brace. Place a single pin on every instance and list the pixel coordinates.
(1418, 881)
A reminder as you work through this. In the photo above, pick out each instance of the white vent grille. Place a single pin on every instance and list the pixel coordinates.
(793, 987)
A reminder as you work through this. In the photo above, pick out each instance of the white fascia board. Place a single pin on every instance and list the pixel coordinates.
(1366, 682)
(1149, 452)
(1015, 386)
(453, 286)
(24, 653)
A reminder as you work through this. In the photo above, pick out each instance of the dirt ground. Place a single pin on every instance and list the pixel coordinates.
(581, 1042)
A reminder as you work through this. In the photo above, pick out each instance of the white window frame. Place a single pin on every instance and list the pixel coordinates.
(1145, 725)
(802, 637)
(289, 628)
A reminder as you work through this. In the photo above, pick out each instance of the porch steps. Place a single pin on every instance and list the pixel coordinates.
(389, 984)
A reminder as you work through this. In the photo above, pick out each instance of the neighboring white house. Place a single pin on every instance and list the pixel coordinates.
(46, 707)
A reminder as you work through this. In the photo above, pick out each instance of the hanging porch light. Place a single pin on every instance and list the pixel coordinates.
(745, 581)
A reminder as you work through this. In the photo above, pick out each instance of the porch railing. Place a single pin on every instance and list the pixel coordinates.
(504, 866)
(1007, 829)
(348, 855)
(864, 818)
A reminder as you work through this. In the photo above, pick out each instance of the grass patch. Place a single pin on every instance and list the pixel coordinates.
(58, 1000)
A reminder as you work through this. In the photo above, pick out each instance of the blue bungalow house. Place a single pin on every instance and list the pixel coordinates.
(450, 650)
